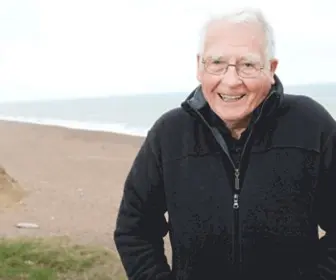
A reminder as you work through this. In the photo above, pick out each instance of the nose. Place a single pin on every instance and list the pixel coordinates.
(231, 78)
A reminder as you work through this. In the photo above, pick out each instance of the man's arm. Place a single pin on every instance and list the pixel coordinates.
(141, 224)
(326, 210)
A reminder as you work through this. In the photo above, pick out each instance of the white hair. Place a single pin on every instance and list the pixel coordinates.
(243, 15)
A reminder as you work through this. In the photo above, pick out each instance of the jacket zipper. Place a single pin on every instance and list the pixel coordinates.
(236, 252)
(236, 244)
(236, 232)
(236, 235)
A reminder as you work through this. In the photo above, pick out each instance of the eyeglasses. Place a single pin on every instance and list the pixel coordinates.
(243, 69)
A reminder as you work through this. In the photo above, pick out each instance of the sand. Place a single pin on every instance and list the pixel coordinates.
(72, 180)
(10, 190)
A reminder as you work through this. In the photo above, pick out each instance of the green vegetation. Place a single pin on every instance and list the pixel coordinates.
(56, 259)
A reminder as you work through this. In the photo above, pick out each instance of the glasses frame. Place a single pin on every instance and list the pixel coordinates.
(258, 69)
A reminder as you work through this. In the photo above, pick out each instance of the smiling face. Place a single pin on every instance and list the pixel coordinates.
(237, 47)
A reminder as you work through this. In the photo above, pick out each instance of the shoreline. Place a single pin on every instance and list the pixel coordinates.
(80, 127)
(75, 129)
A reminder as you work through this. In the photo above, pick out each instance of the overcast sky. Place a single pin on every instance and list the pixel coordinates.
(71, 48)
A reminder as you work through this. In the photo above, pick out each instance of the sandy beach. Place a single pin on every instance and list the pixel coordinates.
(73, 179)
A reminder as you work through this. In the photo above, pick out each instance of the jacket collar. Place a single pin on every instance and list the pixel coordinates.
(196, 102)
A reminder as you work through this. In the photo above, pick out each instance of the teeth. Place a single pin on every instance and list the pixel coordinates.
(230, 97)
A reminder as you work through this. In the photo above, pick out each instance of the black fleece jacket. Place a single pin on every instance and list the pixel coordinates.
(252, 216)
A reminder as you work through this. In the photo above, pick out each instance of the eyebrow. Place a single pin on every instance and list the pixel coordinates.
(251, 57)
(248, 57)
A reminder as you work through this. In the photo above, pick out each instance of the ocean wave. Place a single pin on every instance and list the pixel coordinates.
(90, 126)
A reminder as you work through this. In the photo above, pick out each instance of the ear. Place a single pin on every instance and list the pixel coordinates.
(199, 68)
(273, 66)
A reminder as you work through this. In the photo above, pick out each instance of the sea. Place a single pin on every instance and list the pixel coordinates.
(126, 114)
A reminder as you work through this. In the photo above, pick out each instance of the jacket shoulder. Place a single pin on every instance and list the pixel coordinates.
(176, 134)
(307, 109)
(305, 119)
(172, 121)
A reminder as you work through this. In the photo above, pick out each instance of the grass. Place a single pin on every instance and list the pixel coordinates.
(56, 259)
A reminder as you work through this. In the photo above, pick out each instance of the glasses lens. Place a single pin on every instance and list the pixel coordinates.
(244, 70)
(216, 67)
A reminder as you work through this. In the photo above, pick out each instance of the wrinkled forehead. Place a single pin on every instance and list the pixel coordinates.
(235, 40)
(249, 57)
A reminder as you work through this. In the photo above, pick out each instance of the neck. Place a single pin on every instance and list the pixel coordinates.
(238, 127)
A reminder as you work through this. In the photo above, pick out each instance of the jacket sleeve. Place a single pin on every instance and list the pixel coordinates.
(326, 210)
(141, 224)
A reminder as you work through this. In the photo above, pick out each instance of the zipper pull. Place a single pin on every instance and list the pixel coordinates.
(235, 201)
(236, 183)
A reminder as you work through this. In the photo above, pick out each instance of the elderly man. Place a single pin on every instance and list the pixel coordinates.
(245, 172)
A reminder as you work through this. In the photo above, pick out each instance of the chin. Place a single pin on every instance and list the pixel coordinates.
(234, 117)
